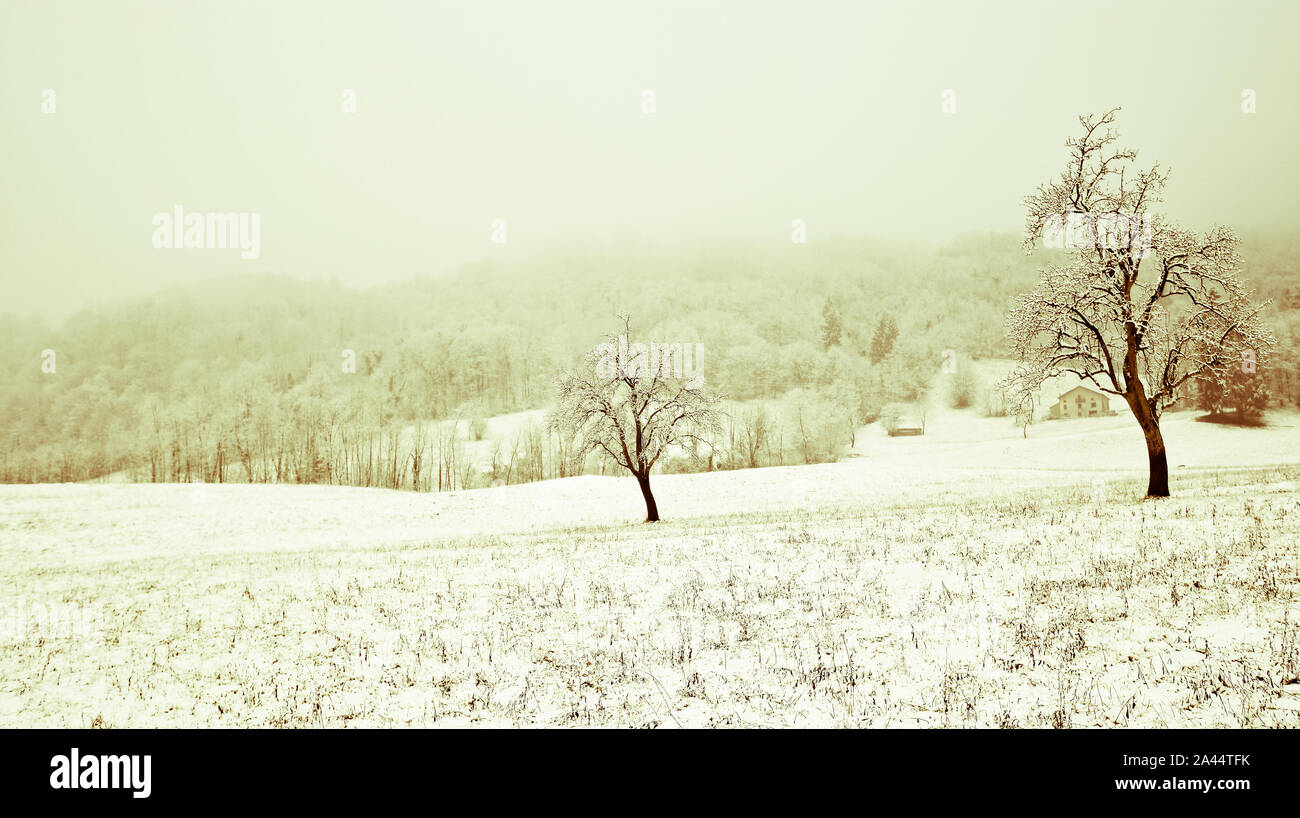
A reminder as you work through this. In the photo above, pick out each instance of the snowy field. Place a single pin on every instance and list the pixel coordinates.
(969, 577)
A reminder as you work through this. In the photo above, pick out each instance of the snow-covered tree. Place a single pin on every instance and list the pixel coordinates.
(632, 408)
(1239, 389)
(1139, 308)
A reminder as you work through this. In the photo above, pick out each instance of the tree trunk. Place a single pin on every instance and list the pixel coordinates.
(651, 510)
(1158, 484)
(1149, 420)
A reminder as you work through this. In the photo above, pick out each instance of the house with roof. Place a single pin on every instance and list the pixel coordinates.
(1080, 402)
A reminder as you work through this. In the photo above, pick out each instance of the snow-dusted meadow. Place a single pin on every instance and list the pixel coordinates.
(970, 577)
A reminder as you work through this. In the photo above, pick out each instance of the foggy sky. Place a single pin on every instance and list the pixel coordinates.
(531, 112)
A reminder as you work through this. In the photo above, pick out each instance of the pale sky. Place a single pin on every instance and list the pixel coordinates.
(531, 112)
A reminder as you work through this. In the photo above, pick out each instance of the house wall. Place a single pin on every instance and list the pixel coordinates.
(1080, 404)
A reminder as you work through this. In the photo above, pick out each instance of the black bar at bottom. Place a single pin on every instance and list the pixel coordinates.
(362, 767)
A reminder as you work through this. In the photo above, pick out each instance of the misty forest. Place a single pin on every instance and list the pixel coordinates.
(249, 380)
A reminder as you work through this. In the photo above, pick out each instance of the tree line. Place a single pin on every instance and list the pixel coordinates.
(276, 379)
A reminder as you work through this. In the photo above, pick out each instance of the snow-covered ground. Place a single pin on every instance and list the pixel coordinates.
(967, 577)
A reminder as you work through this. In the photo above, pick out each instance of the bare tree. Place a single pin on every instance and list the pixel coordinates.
(753, 434)
(1141, 307)
(633, 411)
(1024, 415)
(419, 443)
(567, 463)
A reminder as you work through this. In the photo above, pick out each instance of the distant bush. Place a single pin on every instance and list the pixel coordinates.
(964, 388)
(1234, 397)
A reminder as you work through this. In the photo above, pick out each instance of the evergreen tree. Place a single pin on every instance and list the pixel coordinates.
(882, 343)
(832, 324)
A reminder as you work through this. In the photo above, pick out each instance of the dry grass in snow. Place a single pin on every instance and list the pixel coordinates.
(851, 594)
